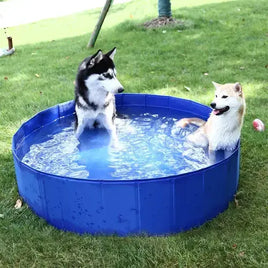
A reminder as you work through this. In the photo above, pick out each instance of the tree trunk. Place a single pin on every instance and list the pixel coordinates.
(96, 31)
(164, 8)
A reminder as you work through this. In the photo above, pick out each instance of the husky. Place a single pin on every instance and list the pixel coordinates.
(95, 86)
(222, 129)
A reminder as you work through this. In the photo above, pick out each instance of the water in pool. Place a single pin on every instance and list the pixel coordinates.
(149, 146)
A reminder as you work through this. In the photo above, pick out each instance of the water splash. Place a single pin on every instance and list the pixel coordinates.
(150, 145)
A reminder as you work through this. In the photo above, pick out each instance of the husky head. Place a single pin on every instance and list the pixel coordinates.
(98, 72)
(228, 97)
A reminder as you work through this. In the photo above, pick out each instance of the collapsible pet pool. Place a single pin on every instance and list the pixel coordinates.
(132, 205)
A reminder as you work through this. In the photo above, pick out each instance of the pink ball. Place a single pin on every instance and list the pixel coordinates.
(258, 125)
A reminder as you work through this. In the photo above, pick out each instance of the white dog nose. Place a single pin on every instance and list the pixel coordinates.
(213, 105)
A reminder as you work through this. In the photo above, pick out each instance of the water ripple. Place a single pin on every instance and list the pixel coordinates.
(149, 146)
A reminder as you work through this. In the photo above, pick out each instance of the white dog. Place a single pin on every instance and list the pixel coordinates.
(223, 127)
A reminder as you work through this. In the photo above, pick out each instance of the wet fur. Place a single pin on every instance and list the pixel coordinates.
(95, 86)
(220, 131)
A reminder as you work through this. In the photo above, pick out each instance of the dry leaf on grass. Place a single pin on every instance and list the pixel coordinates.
(236, 201)
(241, 254)
(234, 246)
(37, 75)
(18, 204)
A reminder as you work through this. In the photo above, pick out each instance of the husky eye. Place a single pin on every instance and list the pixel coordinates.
(108, 75)
(216, 96)
(224, 96)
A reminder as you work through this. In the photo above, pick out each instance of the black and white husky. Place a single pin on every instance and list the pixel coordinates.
(95, 86)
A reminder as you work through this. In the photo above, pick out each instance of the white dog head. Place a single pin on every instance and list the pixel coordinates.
(227, 97)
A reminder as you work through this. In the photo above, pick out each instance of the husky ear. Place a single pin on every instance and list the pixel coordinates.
(89, 62)
(238, 88)
(95, 59)
(111, 53)
(216, 85)
(83, 66)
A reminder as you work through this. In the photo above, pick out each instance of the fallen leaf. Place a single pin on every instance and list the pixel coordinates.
(18, 204)
(6, 78)
(236, 201)
(187, 88)
(37, 75)
(242, 253)
(206, 74)
(234, 246)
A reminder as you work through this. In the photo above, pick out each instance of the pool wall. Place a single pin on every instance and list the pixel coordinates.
(153, 206)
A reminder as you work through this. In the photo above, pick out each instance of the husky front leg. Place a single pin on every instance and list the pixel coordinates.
(80, 124)
(108, 124)
(79, 129)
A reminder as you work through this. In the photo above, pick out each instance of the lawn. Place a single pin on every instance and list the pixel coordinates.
(222, 41)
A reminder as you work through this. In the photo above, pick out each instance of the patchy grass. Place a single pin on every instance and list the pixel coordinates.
(227, 40)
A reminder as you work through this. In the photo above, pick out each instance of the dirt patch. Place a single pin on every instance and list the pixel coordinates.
(161, 22)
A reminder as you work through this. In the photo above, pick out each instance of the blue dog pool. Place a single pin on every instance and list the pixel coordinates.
(152, 183)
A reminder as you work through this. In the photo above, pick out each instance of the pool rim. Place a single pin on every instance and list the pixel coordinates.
(114, 181)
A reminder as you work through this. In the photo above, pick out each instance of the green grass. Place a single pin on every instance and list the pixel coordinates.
(226, 39)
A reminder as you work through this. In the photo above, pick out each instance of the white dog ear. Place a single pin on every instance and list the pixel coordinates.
(111, 53)
(238, 88)
(216, 85)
